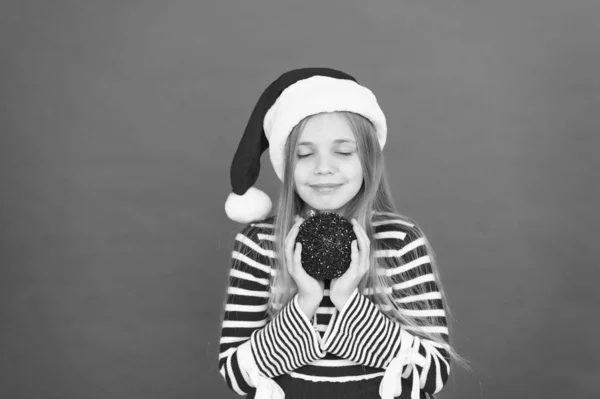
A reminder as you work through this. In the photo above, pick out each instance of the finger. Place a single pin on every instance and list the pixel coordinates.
(291, 265)
(353, 256)
(364, 246)
(289, 247)
(361, 235)
(289, 261)
(364, 260)
(291, 239)
(354, 250)
(294, 230)
(298, 256)
(359, 260)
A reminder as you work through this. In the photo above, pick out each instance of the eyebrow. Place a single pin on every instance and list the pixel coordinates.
(335, 142)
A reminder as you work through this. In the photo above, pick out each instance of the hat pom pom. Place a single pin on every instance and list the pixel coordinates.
(251, 206)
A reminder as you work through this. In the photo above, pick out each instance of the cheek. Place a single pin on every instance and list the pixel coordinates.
(298, 174)
(355, 170)
(302, 172)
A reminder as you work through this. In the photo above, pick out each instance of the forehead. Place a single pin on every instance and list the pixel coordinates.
(326, 128)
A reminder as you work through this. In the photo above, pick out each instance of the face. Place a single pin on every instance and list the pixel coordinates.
(328, 172)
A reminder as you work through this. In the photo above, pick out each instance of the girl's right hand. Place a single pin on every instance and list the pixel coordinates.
(310, 290)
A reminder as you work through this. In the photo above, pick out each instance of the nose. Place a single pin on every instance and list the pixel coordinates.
(324, 165)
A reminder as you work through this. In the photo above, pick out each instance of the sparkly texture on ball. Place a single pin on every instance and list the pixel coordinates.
(326, 239)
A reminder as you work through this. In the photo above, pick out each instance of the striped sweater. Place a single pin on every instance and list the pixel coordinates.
(356, 343)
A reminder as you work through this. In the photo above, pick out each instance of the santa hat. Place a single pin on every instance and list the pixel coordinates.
(288, 100)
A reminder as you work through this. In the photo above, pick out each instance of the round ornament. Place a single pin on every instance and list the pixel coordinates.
(326, 240)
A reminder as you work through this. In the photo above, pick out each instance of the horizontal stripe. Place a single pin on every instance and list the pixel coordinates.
(392, 221)
(251, 244)
(241, 291)
(379, 290)
(415, 281)
(322, 310)
(251, 262)
(245, 308)
(229, 340)
(424, 313)
(397, 253)
(422, 297)
(317, 378)
(263, 225)
(332, 363)
(390, 234)
(269, 237)
(406, 267)
(243, 324)
(247, 276)
(429, 329)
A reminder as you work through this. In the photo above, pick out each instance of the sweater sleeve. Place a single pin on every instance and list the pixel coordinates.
(251, 343)
(361, 332)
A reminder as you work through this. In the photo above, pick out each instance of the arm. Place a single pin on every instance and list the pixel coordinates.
(362, 333)
(251, 346)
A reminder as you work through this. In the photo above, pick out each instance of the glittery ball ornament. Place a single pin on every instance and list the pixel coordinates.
(326, 240)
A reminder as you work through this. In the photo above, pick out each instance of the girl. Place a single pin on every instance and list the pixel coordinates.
(380, 329)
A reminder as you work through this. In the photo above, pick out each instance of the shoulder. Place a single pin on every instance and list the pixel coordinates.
(394, 229)
(388, 221)
(398, 235)
(257, 231)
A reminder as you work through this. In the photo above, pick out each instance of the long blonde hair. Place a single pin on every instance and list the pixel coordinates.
(373, 200)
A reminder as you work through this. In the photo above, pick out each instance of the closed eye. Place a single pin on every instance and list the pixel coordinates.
(346, 154)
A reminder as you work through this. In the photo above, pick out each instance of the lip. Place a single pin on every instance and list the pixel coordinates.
(329, 185)
(325, 188)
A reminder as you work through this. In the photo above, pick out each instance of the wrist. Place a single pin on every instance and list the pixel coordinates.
(339, 301)
(308, 304)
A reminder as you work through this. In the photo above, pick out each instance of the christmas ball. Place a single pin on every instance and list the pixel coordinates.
(326, 240)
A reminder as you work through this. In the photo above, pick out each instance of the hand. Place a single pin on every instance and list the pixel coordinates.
(342, 287)
(310, 290)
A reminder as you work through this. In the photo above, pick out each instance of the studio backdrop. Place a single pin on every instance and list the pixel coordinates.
(118, 123)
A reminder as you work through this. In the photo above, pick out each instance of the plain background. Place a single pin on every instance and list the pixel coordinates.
(118, 123)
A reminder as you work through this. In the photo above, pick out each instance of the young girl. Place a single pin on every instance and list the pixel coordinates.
(380, 329)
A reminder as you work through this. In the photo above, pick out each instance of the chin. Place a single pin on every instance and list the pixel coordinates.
(331, 205)
(325, 208)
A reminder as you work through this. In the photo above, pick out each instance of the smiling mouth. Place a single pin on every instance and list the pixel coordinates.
(324, 188)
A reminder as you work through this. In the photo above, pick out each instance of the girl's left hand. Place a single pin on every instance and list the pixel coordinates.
(342, 287)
